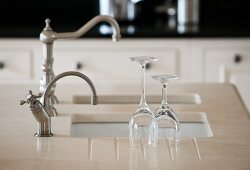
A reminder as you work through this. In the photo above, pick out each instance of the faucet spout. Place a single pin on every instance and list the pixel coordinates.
(48, 35)
(101, 18)
(94, 99)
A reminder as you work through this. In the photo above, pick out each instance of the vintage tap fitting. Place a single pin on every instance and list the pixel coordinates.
(48, 36)
(38, 108)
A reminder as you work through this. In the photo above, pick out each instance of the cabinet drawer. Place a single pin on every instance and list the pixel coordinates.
(15, 65)
(114, 65)
(215, 60)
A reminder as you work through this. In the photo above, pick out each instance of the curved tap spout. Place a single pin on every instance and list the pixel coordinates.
(115, 27)
(48, 35)
(94, 99)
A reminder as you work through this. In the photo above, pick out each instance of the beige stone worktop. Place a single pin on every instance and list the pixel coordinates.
(228, 149)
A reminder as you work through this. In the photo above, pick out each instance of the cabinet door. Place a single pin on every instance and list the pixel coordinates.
(15, 65)
(215, 59)
(115, 66)
(106, 62)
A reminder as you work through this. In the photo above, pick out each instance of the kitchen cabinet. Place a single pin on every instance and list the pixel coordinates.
(15, 62)
(194, 60)
(105, 61)
(225, 61)
(211, 57)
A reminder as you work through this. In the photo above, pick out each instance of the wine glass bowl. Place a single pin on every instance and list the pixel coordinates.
(168, 123)
(143, 125)
(169, 126)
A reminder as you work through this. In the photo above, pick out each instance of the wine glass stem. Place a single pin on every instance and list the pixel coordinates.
(164, 95)
(143, 102)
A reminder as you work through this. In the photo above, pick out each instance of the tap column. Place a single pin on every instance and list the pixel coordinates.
(47, 38)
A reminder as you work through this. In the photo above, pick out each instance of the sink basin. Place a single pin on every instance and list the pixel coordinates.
(192, 98)
(197, 128)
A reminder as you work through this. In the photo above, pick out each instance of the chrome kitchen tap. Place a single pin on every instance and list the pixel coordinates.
(48, 36)
(38, 108)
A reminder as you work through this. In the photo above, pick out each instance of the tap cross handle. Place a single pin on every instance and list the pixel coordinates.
(30, 98)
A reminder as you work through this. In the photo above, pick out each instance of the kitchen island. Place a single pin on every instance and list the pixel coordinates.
(228, 148)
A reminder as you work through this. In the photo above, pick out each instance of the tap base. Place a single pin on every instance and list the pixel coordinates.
(44, 135)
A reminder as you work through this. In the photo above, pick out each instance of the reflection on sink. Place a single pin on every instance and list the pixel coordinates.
(189, 128)
(192, 98)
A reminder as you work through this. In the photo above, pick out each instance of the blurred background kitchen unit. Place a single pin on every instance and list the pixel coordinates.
(137, 18)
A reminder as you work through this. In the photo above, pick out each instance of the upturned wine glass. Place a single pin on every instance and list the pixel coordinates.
(169, 126)
(143, 126)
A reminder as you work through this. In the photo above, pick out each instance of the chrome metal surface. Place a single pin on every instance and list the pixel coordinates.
(188, 12)
(94, 98)
(48, 36)
(38, 108)
(124, 10)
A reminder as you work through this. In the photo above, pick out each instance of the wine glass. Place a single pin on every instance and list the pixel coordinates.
(143, 128)
(169, 126)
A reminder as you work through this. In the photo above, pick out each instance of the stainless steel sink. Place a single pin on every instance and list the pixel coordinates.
(192, 98)
(189, 128)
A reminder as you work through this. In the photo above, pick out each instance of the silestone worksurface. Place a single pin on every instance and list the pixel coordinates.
(229, 148)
